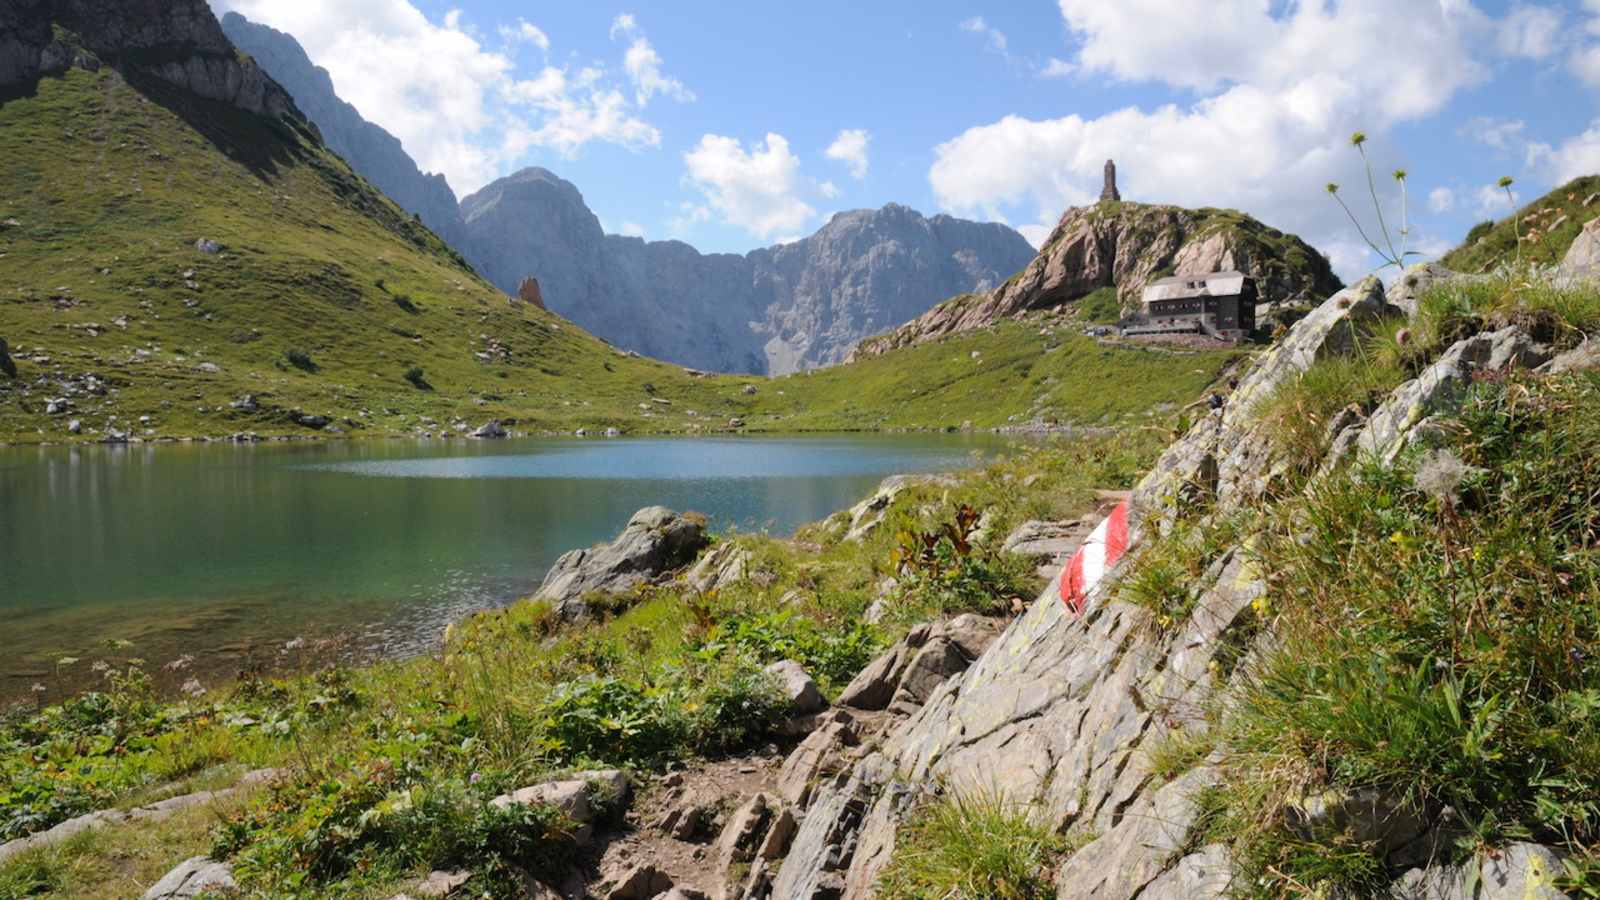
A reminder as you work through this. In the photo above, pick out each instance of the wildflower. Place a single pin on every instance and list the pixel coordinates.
(1440, 475)
(476, 777)
(1402, 337)
(1333, 188)
(1357, 139)
(1399, 174)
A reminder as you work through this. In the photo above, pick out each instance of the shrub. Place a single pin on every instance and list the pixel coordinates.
(405, 302)
(418, 379)
(300, 359)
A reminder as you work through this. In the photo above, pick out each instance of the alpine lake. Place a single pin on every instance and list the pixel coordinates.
(279, 555)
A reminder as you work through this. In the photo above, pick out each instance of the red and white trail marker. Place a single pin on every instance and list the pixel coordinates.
(1096, 557)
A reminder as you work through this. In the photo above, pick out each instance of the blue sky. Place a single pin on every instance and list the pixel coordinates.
(733, 126)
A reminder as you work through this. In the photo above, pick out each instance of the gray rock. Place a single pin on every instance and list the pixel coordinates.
(572, 796)
(776, 310)
(310, 420)
(720, 568)
(821, 754)
(75, 427)
(1205, 875)
(1584, 357)
(797, 687)
(208, 246)
(1583, 257)
(1047, 540)
(1440, 388)
(210, 368)
(191, 878)
(655, 541)
(641, 882)
(904, 676)
(442, 884)
(1515, 872)
(1417, 280)
(868, 514)
(490, 430)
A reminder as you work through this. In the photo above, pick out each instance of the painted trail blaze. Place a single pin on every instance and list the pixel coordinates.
(1098, 554)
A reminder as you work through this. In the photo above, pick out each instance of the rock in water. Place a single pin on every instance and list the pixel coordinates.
(655, 541)
(490, 430)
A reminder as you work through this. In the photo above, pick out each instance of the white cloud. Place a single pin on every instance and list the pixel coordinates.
(1279, 88)
(525, 31)
(1585, 63)
(828, 190)
(850, 148)
(1035, 234)
(1492, 198)
(1576, 156)
(1533, 32)
(458, 107)
(757, 190)
(632, 229)
(643, 65)
(1057, 68)
(993, 38)
(1501, 134)
(1441, 200)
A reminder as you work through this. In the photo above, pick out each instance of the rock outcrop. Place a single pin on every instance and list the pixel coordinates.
(656, 541)
(1126, 246)
(1056, 712)
(193, 878)
(177, 41)
(1583, 257)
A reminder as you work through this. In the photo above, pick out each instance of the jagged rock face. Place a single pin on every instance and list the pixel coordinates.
(178, 41)
(774, 310)
(1056, 711)
(1126, 246)
(370, 150)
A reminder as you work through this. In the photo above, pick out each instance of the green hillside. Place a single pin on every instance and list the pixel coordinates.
(1549, 226)
(326, 300)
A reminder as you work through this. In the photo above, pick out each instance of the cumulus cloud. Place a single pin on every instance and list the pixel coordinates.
(458, 107)
(525, 32)
(1576, 156)
(1501, 134)
(1533, 32)
(632, 229)
(1492, 198)
(1441, 200)
(828, 190)
(756, 189)
(993, 38)
(1278, 88)
(643, 64)
(850, 148)
(1057, 68)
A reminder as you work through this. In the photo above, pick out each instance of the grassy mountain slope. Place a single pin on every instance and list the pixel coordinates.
(1549, 226)
(326, 294)
(111, 184)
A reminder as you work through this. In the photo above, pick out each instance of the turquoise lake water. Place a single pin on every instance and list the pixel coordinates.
(227, 552)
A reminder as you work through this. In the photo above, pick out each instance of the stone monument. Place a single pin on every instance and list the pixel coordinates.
(1109, 192)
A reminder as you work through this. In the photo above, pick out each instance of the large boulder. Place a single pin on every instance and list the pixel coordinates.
(656, 541)
(1583, 257)
(903, 677)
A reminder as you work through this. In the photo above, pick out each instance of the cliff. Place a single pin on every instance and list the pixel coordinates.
(774, 310)
(178, 42)
(1125, 246)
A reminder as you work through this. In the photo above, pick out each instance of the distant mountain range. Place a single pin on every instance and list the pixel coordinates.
(773, 311)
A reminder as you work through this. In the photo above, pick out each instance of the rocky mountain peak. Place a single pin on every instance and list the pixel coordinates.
(1126, 245)
(177, 41)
